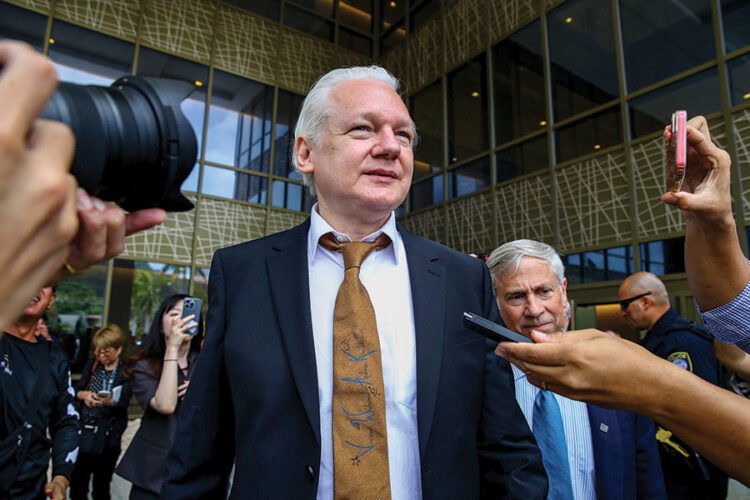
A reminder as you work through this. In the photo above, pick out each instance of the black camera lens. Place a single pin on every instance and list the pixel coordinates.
(133, 144)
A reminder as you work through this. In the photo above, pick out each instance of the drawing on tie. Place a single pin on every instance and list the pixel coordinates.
(366, 417)
(357, 380)
(358, 358)
(355, 459)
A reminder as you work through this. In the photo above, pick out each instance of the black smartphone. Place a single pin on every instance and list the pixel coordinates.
(192, 305)
(492, 331)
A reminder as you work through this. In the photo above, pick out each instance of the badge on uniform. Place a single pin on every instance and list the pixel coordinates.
(681, 359)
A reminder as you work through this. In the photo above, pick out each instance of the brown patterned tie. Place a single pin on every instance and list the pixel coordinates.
(360, 441)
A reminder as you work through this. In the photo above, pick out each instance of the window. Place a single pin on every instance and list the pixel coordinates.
(662, 39)
(234, 185)
(469, 178)
(735, 14)
(582, 57)
(292, 196)
(239, 123)
(608, 264)
(698, 94)
(467, 110)
(308, 22)
(663, 257)
(589, 135)
(21, 24)
(288, 108)
(739, 80)
(427, 192)
(427, 113)
(521, 159)
(518, 82)
(356, 14)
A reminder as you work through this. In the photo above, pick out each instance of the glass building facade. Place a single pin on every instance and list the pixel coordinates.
(537, 120)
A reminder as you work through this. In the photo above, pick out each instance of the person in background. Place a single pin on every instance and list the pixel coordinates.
(161, 374)
(644, 303)
(105, 394)
(597, 453)
(35, 389)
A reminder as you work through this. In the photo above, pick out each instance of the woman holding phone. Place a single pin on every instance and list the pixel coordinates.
(104, 394)
(161, 374)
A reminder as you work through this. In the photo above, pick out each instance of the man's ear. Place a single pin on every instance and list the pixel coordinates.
(303, 153)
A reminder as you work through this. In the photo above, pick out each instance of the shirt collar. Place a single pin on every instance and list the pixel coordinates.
(319, 227)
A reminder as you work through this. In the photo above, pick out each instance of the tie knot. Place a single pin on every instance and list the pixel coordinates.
(354, 252)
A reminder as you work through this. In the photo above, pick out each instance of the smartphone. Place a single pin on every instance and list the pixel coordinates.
(192, 305)
(103, 394)
(492, 331)
(677, 151)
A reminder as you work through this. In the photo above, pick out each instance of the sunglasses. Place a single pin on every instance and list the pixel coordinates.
(626, 302)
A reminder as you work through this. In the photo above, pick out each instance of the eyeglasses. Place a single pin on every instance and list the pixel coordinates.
(626, 302)
(104, 350)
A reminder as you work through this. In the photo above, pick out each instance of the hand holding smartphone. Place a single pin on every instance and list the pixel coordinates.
(192, 305)
(677, 152)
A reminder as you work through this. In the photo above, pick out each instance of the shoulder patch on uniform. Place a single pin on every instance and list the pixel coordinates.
(681, 359)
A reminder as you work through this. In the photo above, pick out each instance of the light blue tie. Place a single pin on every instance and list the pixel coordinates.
(550, 435)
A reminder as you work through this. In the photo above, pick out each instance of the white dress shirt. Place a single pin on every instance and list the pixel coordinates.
(577, 434)
(385, 275)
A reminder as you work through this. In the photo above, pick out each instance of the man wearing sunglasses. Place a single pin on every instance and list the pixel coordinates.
(644, 302)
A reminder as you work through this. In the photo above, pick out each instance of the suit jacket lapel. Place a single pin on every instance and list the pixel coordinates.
(289, 278)
(428, 297)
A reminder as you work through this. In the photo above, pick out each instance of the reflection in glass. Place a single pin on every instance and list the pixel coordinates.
(663, 257)
(307, 22)
(698, 94)
(322, 7)
(191, 182)
(77, 312)
(391, 12)
(422, 13)
(427, 113)
(291, 196)
(392, 38)
(467, 110)
(426, 193)
(357, 14)
(518, 81)
(735, 15)
(355, 42)
(600, 265)
(267, 8)
(239, 123)
(593, 266)
(21, 24)
(469, 178)
(589, 135)
(160, 65)
(582, 57)
(234, 185)
(87, 57)
(573, 268)
(521, 159)
(138, 289)
(287, 111)
(739, 80)
(662, 39)
(619, 262)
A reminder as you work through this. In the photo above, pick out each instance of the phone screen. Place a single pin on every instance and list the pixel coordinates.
(677, 152)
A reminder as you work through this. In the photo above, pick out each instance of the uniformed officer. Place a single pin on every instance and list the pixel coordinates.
(645, 304)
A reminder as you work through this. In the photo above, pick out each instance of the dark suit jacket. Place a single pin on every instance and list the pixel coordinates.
(626, 456)
(254, 395)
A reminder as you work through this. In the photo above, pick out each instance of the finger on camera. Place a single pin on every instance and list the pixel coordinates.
(27, 81)
(141, 220)
(51, 144)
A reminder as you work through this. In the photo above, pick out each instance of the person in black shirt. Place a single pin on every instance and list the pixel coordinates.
(35, 376)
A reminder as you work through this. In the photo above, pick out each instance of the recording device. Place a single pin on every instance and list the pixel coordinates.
(677, 151)
(133, 144)
(192, 305)
(492, 331)
(103, 394)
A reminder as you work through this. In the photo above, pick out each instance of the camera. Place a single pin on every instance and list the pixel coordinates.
(134, 146)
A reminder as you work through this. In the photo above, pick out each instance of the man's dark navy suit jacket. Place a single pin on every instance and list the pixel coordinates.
(253, 398)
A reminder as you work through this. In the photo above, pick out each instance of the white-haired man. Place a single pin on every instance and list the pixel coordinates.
(589, 452)
(328, 373)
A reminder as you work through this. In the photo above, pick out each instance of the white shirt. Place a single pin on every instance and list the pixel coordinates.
(577, 434)
(385, 275)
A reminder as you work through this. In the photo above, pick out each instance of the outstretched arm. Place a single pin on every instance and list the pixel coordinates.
(592, 366)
